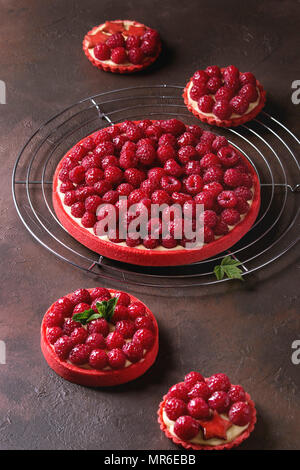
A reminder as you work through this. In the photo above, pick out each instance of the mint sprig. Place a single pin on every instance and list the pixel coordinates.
(105, 309)
(228, 267)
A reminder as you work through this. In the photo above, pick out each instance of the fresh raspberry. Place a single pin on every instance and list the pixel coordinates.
(134, 177)
(233, 178)
(77, 174)
(145, 337)
(80, 295)
(124, 189)
(195, 130)
(104, 148)
(210, 218)
(109, 160)
(180, 198)
(126, 328)
(213, 188)
(218, 382)
(114, 340)
(242, 206)
(206, 103)
(146, 154)
(243, 192)
(186, 428)
(91, 161)
(89, 143)
(113, 175)
(77, 153)
(133, 351)
(132, 241)
(53, 334)
(187, 138)
(136, 55)
(149, 47)
(160, 197)
(173, 126)
(213, 71)
(149, 186)
(54, 319)
(246, 180)
(134, 133)
(192, 378)
(208, 235)
(205, 198)
(79, 335)
(192, 168)
(198, 91)
(63, 346)
(66, 186)
(179, 390)
(203, 148)
(133, 41)
(83, 192)
(247, 78)
(116, 358)
(64, 174)
(80, 354)
(93, 175)
(222, 109)
(151, 34)
(120, 313)
(174, 407)
(64, 306)
(102, 51)
(227, 199)
(230, 216)
(115, 40)
(96, 341)
(143, 322)
(88, 219)
(128, 158)
(249, 92)
(198, 408)
(172, 168)
(153, 133)
(168, 241)
(81, 307)
(221, 228)
(136, 196)
(165, 152)
(92, 203)
(236, 393)
(209, 160)
(170, 184)
(113, 131)
(100, 292)
(189, 209)
(167, 139)
(239, 104)
(70, 325)
(201, 390)
(100, 326)
(110, 197)
(219, 401)
(119, 141)
(240, 413)
(123, 298)
(98, 359)
(135, 310)
(200, 77)
(144, 124)
(213, 84)
(228, 156)
(194, 184)
(102, 136)
(187, 153)
(224, 94)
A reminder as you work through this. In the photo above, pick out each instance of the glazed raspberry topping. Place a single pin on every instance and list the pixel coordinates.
(99, 329)
(159, 162)
(199, 403)
(122, 45)
(223, 92)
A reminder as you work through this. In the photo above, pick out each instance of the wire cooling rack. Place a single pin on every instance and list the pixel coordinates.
(267, 143)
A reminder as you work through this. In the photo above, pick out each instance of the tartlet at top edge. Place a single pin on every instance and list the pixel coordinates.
(214, 121)
(98, 378)
(190, 446)
(117, 68)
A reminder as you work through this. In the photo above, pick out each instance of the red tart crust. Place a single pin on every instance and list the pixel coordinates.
(148, 257)
(89, 42)
(190, 446)
(97, 378)
(214, 121)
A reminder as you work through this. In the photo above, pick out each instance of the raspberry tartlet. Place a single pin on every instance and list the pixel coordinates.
(99, 337)
(224, 97)
(122, 46)
(207, 413)
(156, 163)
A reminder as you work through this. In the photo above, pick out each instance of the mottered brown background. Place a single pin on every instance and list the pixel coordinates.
(243, 329)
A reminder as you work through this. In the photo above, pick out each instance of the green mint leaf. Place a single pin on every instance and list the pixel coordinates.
(106, 308)
(95, 316)
(228, 266)
(83, 317)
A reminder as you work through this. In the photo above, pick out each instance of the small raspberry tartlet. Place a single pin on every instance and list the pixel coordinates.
(156, 163)
(99, 337)
(207, 413)
(224, 97)
(122, 46)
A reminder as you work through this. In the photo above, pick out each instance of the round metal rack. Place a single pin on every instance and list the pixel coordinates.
(267, 143)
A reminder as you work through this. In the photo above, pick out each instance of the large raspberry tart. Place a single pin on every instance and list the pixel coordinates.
(122, 46)
(99, 337)
(207, 413)
(224, 97)
(154, 163)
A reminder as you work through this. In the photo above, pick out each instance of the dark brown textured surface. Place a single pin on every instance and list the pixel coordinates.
(245, 329)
